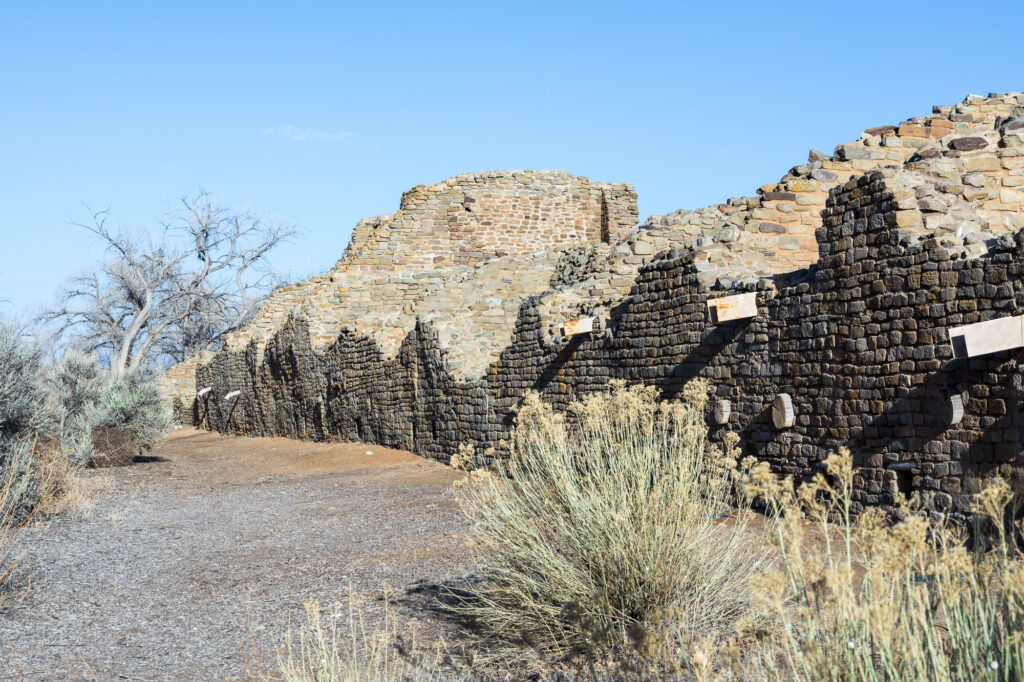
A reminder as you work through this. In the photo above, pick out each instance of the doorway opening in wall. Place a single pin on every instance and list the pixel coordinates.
(360, 431)
(905, 482)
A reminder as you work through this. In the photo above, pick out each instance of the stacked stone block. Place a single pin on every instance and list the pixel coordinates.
(178, 387)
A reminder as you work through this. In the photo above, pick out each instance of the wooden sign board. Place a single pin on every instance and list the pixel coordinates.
(581, 326)
(981, 338)
(733, 307)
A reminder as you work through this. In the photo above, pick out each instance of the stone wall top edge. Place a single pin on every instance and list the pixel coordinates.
(508, 173)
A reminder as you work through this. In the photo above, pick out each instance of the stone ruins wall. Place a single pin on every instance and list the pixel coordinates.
(462, 253)
(858, 339)
(178, 386)
(774, 232)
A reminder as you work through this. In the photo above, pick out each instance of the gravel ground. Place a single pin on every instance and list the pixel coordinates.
(189, 564)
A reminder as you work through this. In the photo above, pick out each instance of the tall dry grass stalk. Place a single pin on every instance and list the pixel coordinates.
(323, 650)
(607, 529)
(870, 600)
(16, 483)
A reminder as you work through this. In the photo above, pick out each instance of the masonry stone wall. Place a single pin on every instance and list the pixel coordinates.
(858, 339)
(774, 232)
(859, 342)
(178, 387)
(462, 253)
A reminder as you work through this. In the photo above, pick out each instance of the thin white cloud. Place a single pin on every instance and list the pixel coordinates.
(296, 134)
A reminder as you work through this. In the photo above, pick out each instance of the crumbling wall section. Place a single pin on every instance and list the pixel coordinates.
(919, 233)
(859, 342)
(400, 264)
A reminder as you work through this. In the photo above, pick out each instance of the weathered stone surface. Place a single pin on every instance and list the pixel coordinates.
(968, 144)
(880, 131)
(981, 163)
(911, 130)
(932, 204)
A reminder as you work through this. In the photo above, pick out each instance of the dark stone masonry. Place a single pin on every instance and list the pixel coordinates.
(859, 341)
(861, 263)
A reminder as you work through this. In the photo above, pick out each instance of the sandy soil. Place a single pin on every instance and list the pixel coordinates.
(190, 564)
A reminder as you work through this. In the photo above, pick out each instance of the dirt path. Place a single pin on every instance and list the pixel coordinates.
(184, 560)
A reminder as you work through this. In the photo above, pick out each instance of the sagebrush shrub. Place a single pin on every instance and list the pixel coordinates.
(133, 403)
(77, 384)
(23, 404)
(86, 397)
(25, 420)
(48, 414)
(608, 526)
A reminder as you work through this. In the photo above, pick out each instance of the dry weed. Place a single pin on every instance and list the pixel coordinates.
(880, 601)
(65, 488)
(323, 649)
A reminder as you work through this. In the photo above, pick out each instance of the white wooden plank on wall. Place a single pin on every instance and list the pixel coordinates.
(992, 336)
(734, 307)
(581, 326)
(783, 414)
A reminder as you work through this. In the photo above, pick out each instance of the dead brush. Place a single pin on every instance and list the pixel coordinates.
(22, 486)
(334, 644)
(880, 601)
(603, 532)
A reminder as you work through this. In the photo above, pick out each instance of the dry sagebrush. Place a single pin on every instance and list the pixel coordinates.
(605, 528)
(872, 600)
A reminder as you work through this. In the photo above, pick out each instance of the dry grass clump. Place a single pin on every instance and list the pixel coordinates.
(606, 530)
(324, 650)
(881, 601)
(15, 485)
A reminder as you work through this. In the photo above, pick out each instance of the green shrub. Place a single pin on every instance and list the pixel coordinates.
(133, 403)
(25, 420)
(606, 529)
(87, 397)
(77, 384)
(48, 415)
(23, 403)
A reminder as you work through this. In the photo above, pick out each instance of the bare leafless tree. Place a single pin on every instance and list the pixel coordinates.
(171, 298)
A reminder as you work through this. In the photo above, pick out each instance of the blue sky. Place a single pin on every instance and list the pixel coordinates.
(323, 113)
